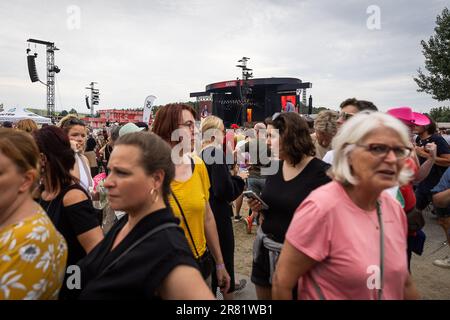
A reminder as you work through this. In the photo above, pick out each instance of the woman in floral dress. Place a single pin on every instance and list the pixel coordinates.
(32, 253)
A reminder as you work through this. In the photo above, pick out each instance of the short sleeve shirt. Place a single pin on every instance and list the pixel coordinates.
(345, 242)
(436, 171)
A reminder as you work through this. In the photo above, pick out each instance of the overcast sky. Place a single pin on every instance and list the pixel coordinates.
(171, 48)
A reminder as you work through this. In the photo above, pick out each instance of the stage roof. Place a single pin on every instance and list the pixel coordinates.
(282, 84)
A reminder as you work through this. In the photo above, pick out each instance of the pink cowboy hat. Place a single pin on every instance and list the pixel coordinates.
(407, 115)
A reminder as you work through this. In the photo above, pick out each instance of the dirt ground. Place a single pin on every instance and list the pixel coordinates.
(243, 245)
(432, 282)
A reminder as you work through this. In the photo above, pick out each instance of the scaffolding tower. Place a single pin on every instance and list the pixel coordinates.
(51, 70)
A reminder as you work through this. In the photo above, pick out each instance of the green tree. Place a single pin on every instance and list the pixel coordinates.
(437, 60)
(73, 111)
(63, 113)
(441, 114)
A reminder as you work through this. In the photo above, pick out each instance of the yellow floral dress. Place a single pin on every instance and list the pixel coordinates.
(33, 259)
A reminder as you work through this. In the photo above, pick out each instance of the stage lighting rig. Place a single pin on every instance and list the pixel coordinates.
(51, 70)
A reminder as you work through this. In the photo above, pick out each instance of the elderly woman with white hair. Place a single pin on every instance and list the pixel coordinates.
(353, 245)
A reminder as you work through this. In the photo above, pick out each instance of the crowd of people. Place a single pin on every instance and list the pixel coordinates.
(338, 205)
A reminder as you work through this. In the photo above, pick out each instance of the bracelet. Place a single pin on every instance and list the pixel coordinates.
(220, 266)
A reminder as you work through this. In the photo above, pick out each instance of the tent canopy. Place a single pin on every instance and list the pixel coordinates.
(18, 113)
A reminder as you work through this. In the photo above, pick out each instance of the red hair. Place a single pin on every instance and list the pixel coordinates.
(167, 120)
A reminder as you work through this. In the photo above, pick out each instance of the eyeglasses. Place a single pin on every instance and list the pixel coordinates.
(382, 150)
(345, 115)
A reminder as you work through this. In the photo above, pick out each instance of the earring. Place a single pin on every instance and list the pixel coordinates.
(151, 194)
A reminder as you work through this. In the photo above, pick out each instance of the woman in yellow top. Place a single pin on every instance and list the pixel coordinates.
(175, 123)
(32, 253)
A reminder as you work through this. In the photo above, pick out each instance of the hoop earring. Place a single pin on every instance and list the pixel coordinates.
(157, 196)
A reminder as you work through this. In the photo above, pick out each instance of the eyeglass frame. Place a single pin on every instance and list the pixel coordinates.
(345, 115)
(368, 148)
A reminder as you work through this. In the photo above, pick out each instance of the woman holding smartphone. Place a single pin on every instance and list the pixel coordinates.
(299, 173)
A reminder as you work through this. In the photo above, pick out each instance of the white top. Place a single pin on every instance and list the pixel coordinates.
(329, 157)
(85, 175)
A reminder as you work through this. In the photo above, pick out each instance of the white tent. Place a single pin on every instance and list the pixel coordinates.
(17, 114)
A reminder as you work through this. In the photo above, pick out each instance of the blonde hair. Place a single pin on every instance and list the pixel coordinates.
(69, 121)
(27, 125)
(210, 123)
(356, 130)
(326, 122)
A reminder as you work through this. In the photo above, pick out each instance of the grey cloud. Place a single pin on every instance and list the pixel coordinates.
(170, 48)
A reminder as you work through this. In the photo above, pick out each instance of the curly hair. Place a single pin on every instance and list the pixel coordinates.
(326, 122)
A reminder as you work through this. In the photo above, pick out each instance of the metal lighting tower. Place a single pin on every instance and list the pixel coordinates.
(245, 89)
(51, 70)
(95, 97)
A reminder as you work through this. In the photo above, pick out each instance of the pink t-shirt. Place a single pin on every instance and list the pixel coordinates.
(331, 229)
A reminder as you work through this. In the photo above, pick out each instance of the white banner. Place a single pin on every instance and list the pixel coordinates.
(148, 107)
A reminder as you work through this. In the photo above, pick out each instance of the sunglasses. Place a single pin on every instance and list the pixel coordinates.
(345, 115)
(74, 121)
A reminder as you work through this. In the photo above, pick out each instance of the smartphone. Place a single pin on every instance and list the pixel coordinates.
(251, 195)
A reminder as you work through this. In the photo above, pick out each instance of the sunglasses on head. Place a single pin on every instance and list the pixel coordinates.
(74, 121)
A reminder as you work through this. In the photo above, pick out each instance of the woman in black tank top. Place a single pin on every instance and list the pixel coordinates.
(65, 201)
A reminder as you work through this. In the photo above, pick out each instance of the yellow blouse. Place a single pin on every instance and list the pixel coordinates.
(33, 259)
(193, 196)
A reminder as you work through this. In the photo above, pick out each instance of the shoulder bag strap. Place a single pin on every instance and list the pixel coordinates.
(185, 222)
(137, 242)
(192, 165)
(317, 288)
(380, 222)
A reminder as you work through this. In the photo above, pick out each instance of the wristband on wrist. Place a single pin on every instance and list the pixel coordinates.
(220, 266)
